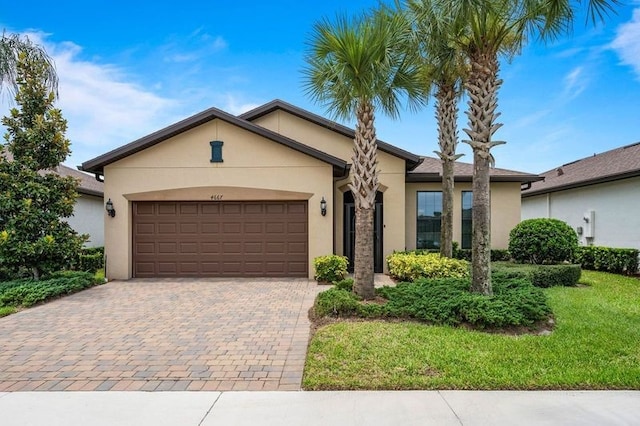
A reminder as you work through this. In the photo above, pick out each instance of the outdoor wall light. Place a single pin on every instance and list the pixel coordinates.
(109, 207)
(323, 207)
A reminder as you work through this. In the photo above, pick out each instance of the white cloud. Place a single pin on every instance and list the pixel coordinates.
(627, 42)
(575, 83)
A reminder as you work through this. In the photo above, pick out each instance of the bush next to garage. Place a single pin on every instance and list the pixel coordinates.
(608, 259)
(409, 266)
(91, 259)
(330, 268)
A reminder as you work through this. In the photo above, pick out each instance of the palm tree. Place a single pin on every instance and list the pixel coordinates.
(443, 67)
(485, 30)
(11, 46)
(355, 68)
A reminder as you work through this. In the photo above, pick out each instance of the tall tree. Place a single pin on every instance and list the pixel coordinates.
(443, 67)
(354, 67)
(485, 30)
(11, 46)
(33, 199)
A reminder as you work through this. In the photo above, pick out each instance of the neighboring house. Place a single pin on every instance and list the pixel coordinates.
(88, 213)
(599, 196)
(223, 195)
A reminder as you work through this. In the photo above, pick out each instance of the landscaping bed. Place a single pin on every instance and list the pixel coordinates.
(595, 344)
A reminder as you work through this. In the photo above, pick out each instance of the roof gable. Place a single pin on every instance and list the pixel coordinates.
(616, 164)
(96, 165)
(411, 160)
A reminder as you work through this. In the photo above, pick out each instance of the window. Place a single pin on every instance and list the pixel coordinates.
(467, 202)
(428, 224)
(216, 151)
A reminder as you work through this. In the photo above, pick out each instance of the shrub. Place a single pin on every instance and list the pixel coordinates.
(556, 275)
(346, 284)
(542, 241)
(336, 302)
(411, 266)
(615, 260)
(330, 268)
(538, 275)
(91, 262)
(448, 301)
(27, 292)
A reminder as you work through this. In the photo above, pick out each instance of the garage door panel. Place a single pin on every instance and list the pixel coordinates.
(229, 239)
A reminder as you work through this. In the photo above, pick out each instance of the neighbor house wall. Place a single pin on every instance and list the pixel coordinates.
(253, 168)
(614, 205)
(392, 171)
(505, 210)
(88, 218)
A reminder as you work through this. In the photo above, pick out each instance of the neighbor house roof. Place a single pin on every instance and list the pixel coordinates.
(97, 164)
(619, 163)
(412, 160)
(430, 170)
(87, 184)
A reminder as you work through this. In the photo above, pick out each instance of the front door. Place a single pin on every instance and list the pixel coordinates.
(350, 231)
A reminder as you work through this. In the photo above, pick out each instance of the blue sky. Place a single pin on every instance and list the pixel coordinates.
(129, 68)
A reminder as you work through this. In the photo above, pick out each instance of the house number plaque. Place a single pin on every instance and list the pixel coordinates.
(216, 197)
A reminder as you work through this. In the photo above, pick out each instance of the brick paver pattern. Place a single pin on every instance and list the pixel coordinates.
(162, 335)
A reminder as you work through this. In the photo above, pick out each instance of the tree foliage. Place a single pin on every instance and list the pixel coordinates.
(33, 198)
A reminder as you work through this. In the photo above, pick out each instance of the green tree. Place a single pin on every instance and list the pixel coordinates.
(443, 67)
(11, 46)
(485, 30)
(33, 199)
(354, 67)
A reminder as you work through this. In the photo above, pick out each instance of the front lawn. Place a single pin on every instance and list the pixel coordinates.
(595, 345)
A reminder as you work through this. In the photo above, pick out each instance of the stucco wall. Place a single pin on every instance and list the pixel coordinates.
(505, 210)
(88, 218)
(391, 177)
(179, 168)
(615, 206)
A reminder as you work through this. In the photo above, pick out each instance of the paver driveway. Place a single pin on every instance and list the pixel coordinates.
(179, 334)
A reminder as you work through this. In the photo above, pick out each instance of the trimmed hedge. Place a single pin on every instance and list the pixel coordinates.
(409, 266)
(91, 259)
(542, 241)
(330, 268)
(608, 259)
(539, 275)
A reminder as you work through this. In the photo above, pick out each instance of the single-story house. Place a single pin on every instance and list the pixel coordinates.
(599, 196)
(88, 212)
(223, 195)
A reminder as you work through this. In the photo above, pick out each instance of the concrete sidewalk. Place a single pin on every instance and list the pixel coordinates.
(405, 408)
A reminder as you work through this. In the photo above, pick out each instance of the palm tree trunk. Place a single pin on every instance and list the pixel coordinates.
(482, 87)
(447, 117)
(364, 186)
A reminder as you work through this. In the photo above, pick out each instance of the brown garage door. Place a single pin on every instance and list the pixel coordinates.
(220, 239)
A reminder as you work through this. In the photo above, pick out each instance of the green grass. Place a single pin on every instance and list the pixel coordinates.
(595, 345)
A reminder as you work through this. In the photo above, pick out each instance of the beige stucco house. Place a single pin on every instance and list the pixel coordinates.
(224, 195)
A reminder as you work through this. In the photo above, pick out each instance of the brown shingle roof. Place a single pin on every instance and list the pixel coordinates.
(619, 163)
(430, 170)
(87, 183)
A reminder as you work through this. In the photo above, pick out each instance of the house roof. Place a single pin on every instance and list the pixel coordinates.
(412, 160)
(96, 165)
(87, 184)
(430, 170)
(619, 163)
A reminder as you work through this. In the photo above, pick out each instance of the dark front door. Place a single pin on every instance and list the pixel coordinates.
(350, 231)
